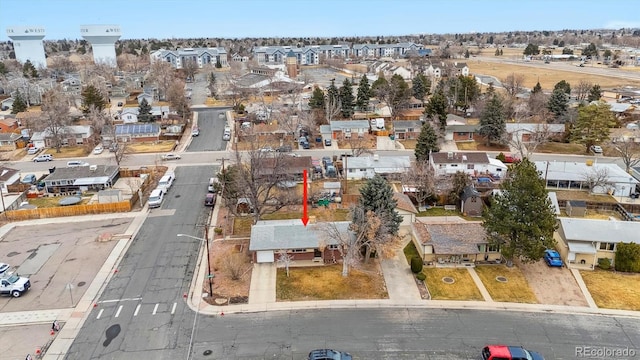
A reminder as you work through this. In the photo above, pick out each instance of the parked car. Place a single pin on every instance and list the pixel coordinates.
(33, 150)
(171, 156)
(284, 148)
(14, 285)
(43, 157)
(511, 159)
(266, 149)
(4, 269)
(98, 150)
(503, 352)
(552, 258)
(166, 181)
(210, 199)
(327, 142)
(596, 149)
(329, 354)
(76, 163)
(195, 132)
(29, 179)
(155, 198)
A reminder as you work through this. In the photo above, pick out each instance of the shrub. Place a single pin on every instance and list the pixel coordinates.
(416, 265)
(501, 157)
(628, 257)
(421, 276)
(604, 263)
(218, 231)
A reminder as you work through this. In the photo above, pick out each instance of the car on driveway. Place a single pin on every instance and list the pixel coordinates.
(43, 157)
(195, 132)
(327, 142)
(329, 354)
(29, 179)
(33, 150)
(552, 258)
(504, 352)
(171, 156)
(596, 149)
(98, 150)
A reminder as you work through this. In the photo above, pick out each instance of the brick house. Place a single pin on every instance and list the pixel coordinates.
(9, 141)
(137, 132)
(407, 129)
(303, 243)
(71, 136)
(8, 125)
(285, 167)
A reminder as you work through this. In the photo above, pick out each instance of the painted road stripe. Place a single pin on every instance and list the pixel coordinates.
(99, 314)
(173, 309)
(135, 313)
(118, 312)
(155, 309)
(116, 300)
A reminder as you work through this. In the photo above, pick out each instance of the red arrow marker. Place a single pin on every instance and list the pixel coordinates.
(305, 210)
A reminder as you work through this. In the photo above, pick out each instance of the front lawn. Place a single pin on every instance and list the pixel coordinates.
(242, 226)
(68, 152)
(327, 283)
(561, 148)
(151, 147)
(613, 290)
(321, 214)
(463, 287)
(515, 289)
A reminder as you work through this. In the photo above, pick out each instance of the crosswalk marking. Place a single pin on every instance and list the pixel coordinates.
(118, 312)
(135, 313)
(155, 309)
(99, 313)
(173, 309)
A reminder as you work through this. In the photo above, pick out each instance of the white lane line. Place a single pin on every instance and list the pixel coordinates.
(118, 312)
(116, 300)
(173, 309)
(155, 309)
(135, 313)
(99, 314)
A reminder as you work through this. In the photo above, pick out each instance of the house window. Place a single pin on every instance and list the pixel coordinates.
(607, 246)
(362, 170)
(298, 250)
(493, 248)
(469, 166)
(333, 247)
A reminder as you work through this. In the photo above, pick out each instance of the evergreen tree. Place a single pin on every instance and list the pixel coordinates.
(593, 125)
(421, 87)
(531, 49)
(437, 107)
(564, 86)
(493, 121)
(426, 143)
(317, 99)
(364, 94)
(346, 98)
(333, 95)
(595, 93)
(19, 105)
(218, 64)
(91, 97)
(521, 219)
(459, 181)
(537, 89)
(3, 69)
(380, 83)
(144, 111)
(28, 70)
(377, 196)
(558, 103)
(398, 95)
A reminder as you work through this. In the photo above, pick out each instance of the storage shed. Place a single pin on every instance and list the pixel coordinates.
(576, 208)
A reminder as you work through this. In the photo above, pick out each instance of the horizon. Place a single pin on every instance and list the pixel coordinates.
(224, 19)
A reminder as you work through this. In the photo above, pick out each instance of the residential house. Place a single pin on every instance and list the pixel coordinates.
(8, 176)
(405, 73)
(9, 141)
(581, 176)
(200, 56)
(283, 167)
(73, 135)
(434, 72)
(528, 132)
(407, 129)
(302, 243)
(471, 163)
(461, 69)
(471, 203)
(139, 132)
(72, 85)
(367, 167)
(341, 129)
(581, 242)
(239, 58)
(129, 115)
(145, 96)
(456, 244)
(405, 208)
(81, 178)
(8, 125)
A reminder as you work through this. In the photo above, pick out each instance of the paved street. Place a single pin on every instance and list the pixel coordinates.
(211, 122)
(142, 313)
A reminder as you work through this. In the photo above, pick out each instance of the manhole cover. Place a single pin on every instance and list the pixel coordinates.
(177, 196)
(448, 280)
(501, 279)
(81, 283)
(207, 352)
(13, 253)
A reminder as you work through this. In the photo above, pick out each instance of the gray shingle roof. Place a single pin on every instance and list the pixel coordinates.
(452, 239)
(291, 234)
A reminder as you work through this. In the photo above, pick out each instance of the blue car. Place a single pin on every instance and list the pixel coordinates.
(552, 258)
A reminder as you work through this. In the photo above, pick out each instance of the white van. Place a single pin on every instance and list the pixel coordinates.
(212, 184)
(76, 163)
(155, 199)
(166, 181)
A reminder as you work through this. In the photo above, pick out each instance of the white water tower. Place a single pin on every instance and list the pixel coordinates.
(27, 44)
(103, 42)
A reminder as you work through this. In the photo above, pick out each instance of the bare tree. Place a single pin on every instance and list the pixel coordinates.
(55, 116)
(420, 179)
(133, 63)
(98, 119)
(162, 75)
(285, 260)
(539, 136)
(582, 90)
(178, 99)
(62, 64)
(345, 241)
(190, 68)
(596, 177)
(538, 106)
(359, 145)
(629, 152)
(234, 263)
(513, 84)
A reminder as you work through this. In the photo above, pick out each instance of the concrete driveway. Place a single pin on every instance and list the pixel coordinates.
(551, 285)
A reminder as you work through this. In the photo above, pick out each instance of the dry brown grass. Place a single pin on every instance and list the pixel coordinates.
(613, 290)
(462, 289)
(516, 289)
(214, 102)
(466, 145)
(327, 283)
(564, 195)
(561, 148)
(48, 202)
(409, 144)
(68, 152)
(321, 214)
(151, 147)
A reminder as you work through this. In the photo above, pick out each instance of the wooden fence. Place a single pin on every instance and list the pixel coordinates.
(73, 210)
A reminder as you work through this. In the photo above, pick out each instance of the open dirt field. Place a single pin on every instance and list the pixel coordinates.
(554, 286)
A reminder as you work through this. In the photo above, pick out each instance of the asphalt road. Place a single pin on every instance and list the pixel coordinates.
(211, 122)
(141, 313)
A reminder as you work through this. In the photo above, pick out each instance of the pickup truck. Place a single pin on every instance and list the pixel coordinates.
(14, 285)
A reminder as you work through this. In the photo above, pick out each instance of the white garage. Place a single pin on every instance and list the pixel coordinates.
(265, 256)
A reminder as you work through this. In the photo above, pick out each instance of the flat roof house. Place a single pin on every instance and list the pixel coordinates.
(138, 132)
(82, 178)
(576, 175)
(471, 163)
(367, 167)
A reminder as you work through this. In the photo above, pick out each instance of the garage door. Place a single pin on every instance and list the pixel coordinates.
(265, 256)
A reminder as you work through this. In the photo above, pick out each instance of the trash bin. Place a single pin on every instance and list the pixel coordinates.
(392, 137)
